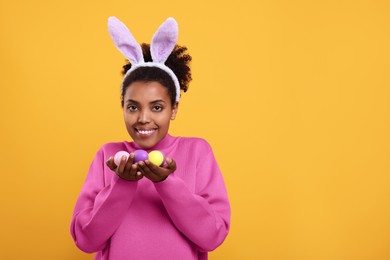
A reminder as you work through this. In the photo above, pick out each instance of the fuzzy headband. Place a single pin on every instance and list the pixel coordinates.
(161, 46)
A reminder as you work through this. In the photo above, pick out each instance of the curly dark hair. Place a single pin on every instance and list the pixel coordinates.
(178, 61)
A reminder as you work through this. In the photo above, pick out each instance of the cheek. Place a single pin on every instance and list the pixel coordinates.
(129, 119)
(165, 118)
(164, 122)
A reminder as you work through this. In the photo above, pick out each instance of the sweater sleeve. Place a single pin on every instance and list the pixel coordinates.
(100, 207)
(202, 216)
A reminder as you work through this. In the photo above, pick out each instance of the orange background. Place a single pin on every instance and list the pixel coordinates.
(292, 95)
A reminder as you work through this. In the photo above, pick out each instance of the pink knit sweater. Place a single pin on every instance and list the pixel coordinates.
(180, 218)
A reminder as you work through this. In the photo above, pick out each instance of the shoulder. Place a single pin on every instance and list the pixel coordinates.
(194, 143)
(109, 149)
(113, 145)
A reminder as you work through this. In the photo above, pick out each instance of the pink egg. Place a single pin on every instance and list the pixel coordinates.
(118, 157)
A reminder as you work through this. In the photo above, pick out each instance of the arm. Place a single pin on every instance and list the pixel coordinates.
(203, 217)
(100, 207)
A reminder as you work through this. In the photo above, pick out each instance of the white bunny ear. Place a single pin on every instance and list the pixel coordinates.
(164, 41)
(124, 41)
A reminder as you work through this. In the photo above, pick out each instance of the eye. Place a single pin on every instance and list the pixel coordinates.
(132, 108)
(157, 108)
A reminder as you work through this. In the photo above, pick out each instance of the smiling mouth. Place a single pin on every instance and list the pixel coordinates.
(145, 131)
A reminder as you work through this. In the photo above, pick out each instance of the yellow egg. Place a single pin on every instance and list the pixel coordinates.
(156, 157)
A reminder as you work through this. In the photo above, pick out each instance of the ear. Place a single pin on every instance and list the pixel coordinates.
(175, 107)
(124, 41)
(164, 40)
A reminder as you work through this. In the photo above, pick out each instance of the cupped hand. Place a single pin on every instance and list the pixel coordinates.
(156, 173)
(126, 170)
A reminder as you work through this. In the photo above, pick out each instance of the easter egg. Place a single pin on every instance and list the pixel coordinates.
(156, 157)
(118, 157)
(140, 155)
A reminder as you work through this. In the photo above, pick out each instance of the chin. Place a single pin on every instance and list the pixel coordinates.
(145, 143)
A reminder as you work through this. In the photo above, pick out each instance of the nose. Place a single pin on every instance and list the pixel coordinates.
(144, 117)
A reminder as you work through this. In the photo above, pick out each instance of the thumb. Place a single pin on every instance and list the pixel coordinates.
(168, 160)
(110, 163)
(171, 164)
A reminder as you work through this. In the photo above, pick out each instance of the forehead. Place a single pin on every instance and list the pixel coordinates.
(146, 91)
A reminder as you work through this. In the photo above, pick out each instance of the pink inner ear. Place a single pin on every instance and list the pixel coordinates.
(124, 41)
(164, 40)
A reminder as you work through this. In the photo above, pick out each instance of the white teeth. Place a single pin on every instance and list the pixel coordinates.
(145, 132)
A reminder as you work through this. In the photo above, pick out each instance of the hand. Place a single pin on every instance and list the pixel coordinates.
(155, 173)
(126, 169)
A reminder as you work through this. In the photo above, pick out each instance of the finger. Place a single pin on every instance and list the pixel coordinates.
(153, 168)
(110, 163)
(122, 165)
(138, 175)
(141, 167)
(145, 170)
(171, 164)
(129, 162)
(133, 173)
(167, 162)
(159, 173)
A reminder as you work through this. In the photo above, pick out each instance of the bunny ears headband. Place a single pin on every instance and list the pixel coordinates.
(161, 46)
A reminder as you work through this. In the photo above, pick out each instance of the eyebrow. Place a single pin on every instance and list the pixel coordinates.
(152, 102)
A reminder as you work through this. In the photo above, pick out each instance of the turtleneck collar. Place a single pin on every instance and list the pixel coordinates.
(162, 145)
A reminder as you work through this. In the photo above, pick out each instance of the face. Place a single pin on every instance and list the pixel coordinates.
(147, 112)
